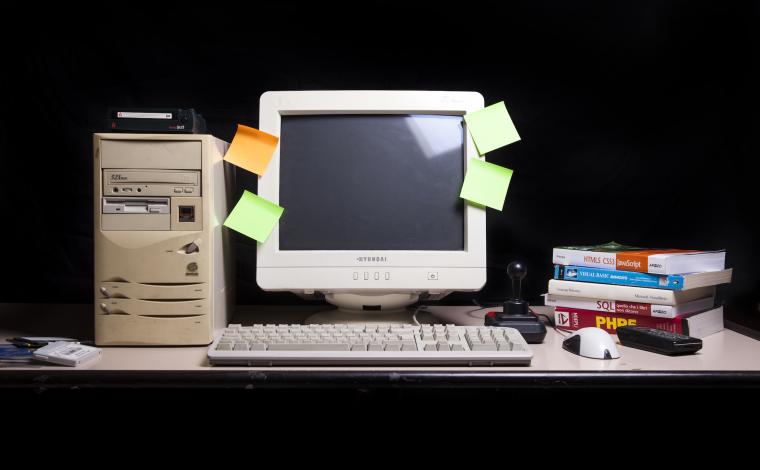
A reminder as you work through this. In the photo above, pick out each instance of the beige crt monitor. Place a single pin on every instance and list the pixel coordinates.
(370, 184)
(160, 271)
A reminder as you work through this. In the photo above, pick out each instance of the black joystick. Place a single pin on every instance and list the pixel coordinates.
(516, 313)
(516, 305)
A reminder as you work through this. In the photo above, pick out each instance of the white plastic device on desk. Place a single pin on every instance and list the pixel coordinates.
(369, 344)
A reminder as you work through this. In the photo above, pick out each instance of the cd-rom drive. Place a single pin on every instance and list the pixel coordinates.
(127, 182)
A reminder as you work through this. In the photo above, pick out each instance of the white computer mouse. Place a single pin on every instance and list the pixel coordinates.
(591, 342)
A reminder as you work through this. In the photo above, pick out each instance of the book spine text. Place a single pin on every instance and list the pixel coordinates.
(575, 319)
(621, 278)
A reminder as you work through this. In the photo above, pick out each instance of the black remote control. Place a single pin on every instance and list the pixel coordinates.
(658, 341)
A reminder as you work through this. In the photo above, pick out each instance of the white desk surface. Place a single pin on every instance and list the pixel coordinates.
(724, 351)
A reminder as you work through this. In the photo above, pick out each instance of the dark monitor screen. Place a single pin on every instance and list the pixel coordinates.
(371, 182)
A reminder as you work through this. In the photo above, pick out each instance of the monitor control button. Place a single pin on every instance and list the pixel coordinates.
(432, 276)
(356, 276)
(366, 276)
(377, 276)
(387, 276)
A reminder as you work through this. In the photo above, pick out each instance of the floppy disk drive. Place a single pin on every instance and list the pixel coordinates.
(151, 199)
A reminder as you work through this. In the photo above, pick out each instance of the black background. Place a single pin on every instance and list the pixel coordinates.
(637, 119)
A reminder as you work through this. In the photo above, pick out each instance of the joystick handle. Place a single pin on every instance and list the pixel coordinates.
(516, 272)
(515, 305)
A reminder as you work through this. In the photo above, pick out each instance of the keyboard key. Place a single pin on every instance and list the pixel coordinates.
(408, 346)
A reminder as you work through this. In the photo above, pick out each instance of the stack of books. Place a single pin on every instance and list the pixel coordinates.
(612, 285)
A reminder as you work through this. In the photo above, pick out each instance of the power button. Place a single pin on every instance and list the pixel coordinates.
(432, 276)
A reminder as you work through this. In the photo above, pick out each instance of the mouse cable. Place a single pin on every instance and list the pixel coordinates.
(549, 320)
(562, 332)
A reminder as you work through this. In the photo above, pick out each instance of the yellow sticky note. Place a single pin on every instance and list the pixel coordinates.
(491, 128)
(254, 216)
(486, 184)
(251, 149)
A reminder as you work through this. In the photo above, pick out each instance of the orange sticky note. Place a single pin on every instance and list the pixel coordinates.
(251, 149)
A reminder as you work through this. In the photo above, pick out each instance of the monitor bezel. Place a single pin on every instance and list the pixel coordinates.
(274, 105)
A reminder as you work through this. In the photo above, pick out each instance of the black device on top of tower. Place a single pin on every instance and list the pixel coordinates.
(156, 120)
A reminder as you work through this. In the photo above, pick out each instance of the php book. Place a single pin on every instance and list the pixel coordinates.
(697, 325)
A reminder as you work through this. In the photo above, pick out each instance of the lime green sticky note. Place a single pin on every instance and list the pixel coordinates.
(254, 216)
(486, 184)
(491, 128)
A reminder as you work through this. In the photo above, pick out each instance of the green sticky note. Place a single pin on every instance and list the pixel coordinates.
(491, 128)
(254, 217)
(486, 184)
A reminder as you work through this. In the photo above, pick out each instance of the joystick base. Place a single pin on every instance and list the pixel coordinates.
(529, 325)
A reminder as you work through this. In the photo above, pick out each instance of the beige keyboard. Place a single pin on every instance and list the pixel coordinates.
(369, 344)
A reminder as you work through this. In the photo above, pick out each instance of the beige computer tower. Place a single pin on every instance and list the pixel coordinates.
(161, 277)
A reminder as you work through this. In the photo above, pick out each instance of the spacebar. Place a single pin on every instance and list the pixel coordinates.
(309, 347)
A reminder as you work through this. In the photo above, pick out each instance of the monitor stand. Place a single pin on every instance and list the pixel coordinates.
(366, 308)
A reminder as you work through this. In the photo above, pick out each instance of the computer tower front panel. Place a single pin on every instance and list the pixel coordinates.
(160, 273)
